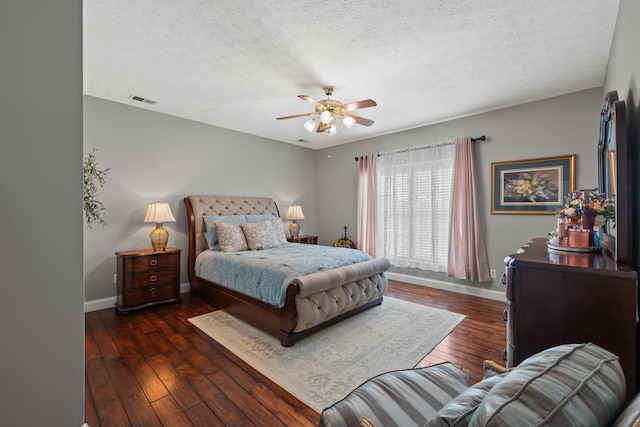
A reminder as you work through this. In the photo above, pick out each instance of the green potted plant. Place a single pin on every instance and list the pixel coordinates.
(94, 179)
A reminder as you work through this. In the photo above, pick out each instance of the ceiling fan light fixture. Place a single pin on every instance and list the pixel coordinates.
(329, 111)
(326, 116)
(348, 121)
(310, 125)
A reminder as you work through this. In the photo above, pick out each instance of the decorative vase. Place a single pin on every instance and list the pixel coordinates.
(578, 238)
(588, 223)
(562, 231)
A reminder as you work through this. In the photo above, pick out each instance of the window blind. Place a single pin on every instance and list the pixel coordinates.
(414, 200)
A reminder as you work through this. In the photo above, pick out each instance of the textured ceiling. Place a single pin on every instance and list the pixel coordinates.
(239, 64)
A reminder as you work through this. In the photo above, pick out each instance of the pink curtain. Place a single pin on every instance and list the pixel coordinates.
(366, 211)
(467, 252)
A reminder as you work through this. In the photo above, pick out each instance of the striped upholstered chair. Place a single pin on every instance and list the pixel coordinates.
(568, 385)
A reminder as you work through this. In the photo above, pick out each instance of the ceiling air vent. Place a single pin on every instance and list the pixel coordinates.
(141, 99)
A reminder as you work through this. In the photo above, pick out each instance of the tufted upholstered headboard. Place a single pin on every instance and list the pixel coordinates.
(199, 206)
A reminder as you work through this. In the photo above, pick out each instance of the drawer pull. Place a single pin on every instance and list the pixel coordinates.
(504, 355)
(153, 262)
(153, 278)
(504, 315)
(152, 291)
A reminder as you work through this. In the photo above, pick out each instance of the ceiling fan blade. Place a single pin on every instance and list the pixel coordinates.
(361, 120)
(365, 103)
(310, 100)
(295, 116)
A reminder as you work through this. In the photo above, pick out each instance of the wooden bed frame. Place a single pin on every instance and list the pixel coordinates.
(312, 303)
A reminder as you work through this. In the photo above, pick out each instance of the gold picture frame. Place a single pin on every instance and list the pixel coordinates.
(532, 186)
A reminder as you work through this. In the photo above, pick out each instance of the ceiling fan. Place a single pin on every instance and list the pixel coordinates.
(328, 111)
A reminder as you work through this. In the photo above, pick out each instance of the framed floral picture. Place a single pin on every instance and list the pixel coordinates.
(532, 186)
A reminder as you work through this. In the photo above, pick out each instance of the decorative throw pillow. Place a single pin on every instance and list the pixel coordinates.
(260, 234)
(230, 236)
(458, 411)
(277, 224)
(567, 385)
(278, 231)
(211, 234)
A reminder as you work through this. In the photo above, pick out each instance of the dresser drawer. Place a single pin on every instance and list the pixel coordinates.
(150, 263)
(149, 294)
(510, 319)
(509, 355)
(508, 277)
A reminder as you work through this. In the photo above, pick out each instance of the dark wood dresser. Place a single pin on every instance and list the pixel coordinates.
(147, 277)
(556, 297)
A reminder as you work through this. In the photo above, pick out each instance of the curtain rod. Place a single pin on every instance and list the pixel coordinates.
(480, 138)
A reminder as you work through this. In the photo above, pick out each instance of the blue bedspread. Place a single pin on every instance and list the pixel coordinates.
(265, 274)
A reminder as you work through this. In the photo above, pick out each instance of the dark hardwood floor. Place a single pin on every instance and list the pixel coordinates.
(154, 368)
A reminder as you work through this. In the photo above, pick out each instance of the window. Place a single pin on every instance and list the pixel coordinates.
(414, 200)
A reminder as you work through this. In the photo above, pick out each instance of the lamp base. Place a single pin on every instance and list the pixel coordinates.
(294, 229)
(159, 238)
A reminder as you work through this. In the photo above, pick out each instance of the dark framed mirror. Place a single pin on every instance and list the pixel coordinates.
(613, 176)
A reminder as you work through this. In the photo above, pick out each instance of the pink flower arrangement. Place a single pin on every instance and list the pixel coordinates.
(604, 205)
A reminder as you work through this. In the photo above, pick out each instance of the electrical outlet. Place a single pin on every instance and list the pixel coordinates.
(115, 279)
(493, 273)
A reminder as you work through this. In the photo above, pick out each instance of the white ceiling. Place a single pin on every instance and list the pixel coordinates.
(239, 64)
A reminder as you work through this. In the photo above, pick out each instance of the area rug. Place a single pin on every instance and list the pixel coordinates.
(323, 368)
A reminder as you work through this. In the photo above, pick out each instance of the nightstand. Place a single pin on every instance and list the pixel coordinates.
(309, 240)
(147, 277)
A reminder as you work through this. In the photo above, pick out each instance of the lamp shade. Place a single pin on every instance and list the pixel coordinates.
(294, 212)
(159, 212)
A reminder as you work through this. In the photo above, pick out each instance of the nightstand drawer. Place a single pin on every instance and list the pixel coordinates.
(149, 294)
(309, 240)
(150, 263)
(150, 278)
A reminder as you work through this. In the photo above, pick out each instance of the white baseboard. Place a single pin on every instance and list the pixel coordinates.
(447, 286)
(99, 304)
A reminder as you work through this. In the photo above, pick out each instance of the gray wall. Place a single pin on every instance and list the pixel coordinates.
(150, 157)
(154, 156)
(41, 320)
(623, 73)
(557, 126)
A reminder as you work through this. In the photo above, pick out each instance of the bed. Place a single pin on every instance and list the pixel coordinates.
(311, 302)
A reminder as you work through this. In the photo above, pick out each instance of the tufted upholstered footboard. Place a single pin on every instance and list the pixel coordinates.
(312, 302)
(328, 294)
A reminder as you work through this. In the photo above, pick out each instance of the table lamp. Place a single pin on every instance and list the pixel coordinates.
(294, 213)
(159, 212)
